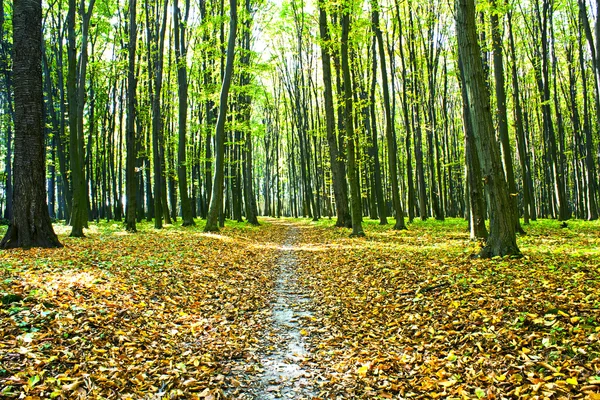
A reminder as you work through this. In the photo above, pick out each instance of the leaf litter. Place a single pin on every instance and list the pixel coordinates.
(178, 313)
(413, 315)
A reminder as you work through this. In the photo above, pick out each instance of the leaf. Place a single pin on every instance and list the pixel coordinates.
(71, 386)
(480, 393)
(362, 371)
(33, 380)
(572, 381)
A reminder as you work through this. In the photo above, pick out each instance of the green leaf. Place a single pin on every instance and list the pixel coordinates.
(34, 380)
(480, 393)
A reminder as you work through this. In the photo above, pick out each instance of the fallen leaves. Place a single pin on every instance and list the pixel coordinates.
(431, 322)
(397, 315)
(127, 316)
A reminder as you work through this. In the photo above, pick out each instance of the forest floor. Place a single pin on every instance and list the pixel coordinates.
(296, 309)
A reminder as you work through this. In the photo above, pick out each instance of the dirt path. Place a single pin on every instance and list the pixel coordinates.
(283, 359)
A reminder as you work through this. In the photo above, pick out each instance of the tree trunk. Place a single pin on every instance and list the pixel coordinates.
(389, 134)
(501, 113)
(502, 238)
(355, 203)
(131, 188)
(182, 85)
(76, 79)
(4, 57)
(216, 201)
(475, 183)
(30, 224)
(518, 121)
(337, 174)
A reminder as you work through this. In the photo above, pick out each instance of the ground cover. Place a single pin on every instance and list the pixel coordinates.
(179, 313)
(414, 314)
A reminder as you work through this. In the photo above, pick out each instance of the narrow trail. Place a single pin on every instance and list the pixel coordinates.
(283, 358)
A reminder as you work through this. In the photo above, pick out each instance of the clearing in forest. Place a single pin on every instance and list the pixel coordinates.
(297, 309)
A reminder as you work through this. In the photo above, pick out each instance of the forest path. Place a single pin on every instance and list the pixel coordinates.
(284, 362)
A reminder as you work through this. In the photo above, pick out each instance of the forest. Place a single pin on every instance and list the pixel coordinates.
(308, 199)
(149, 76)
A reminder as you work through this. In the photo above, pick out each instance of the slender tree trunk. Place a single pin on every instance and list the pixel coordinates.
(182, 85)
(518, 115)
(381, 210)
(216, 201)
(355, 202)
(4, 57)
(76, 97)
(389, 134)
(337, 174)
(131, 188)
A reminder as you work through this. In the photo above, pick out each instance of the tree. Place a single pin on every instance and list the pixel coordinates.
(355, 202)
(76, 80)
(501, 111)
(389, 134)
(216, 199)
(30, 224)
(337, 165)
(502, 237)
(131, 189)
(182, 85)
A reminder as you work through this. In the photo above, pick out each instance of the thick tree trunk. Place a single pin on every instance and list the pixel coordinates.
(474, 182)
(30, 224)
(592, 184)
(501, 113)
(502, 238)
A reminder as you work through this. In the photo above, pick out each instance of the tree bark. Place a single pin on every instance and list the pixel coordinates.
(76, 79)
(501, 113)
(502, 238)
(182, 85)
(216, 201)
(30, 224)
(355, 202)
(389, 134)
(131, 188)
(337, 168)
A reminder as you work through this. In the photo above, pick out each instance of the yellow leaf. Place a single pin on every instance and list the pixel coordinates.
(572, 381)
(362, 371)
